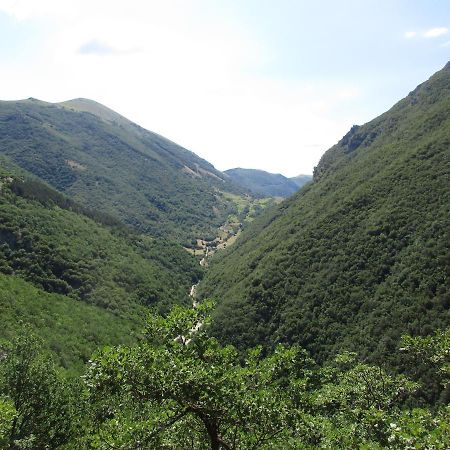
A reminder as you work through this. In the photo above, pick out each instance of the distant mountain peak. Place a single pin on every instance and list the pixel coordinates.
(265, 183)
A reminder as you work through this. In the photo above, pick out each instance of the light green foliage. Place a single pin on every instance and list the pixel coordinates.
(182, 389)
(247, 208)
(434, 350)
(70, 330)
(182, 393)
(7, 415)
(356, 402)
(420, 429)
(40, 400)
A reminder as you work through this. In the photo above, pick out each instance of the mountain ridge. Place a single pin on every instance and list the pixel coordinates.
(105, 161)
(264, 183)
(360, 253)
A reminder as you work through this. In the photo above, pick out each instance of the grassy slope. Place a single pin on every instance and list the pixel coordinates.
(361, 255)
(70, 329)
(102, 160)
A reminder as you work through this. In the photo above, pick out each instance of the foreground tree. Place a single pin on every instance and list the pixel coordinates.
(37, 406)
(181, 389)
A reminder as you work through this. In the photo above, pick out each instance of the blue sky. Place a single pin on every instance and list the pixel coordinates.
(251, 83)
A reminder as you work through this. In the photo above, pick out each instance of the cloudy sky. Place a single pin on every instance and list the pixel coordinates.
(267, 84)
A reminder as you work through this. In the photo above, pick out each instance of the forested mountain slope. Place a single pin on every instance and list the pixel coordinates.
(66, 267)
(70, 329)
(105, 161)
(361, 255)
(263, 183)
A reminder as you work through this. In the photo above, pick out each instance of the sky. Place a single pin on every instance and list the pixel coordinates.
(265, 84)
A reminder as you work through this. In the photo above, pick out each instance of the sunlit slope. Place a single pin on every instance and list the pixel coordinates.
(105, 161)
(70, 329)
(361, 255)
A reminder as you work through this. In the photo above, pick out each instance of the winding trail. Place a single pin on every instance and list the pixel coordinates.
(193, 295)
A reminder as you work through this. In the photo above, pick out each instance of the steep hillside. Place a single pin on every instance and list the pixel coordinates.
(78, 276)
(48, 241)
(361, 255)
(263, 183)
(104, 161)
(301, 180)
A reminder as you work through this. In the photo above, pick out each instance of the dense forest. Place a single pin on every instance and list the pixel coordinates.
(77, 274)
(321, 323)
(360, 256)
(170, 392)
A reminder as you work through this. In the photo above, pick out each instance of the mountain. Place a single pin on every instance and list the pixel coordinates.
(361, 255)
(104, 161)
(263, 183)
(80, 278)
(300, 180)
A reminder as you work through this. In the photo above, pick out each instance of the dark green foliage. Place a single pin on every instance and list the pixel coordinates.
(361, 255)
(65, 252)
(105, 162)
(263, 183)
(36, 190)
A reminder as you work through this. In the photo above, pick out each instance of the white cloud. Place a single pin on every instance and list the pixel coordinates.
(100, 48)
(435, 32)
(410, 34)
(175, 68)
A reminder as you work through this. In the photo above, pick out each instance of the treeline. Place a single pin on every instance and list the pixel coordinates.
(36, 190)
(182, 389)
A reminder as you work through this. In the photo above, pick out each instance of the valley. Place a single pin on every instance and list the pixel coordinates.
(361, 251)
(149, 300)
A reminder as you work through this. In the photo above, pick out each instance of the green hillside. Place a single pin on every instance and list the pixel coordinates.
(66, 252)
(263, 183)
(361, 255)
(71, 330)
(81, 278)
(104, 161)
